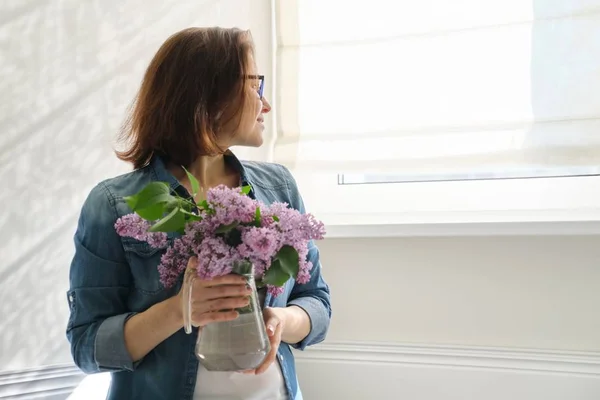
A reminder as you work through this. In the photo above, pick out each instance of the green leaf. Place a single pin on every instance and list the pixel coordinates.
(275, 275)
(185, 205)
(153, 212)
(193, 182)
(178, 203)
(227, 228)
(275, 218)
(158, 210)
(203, 205)
(131, 201)
(173, 222)
(246, 189)
(289, 259)
(257, 217)
(152, 194)
(190, 215)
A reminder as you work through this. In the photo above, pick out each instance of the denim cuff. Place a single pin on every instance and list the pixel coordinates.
(109, 347)
(319, 320)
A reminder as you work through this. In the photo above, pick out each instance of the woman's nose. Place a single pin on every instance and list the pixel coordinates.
(266, 105)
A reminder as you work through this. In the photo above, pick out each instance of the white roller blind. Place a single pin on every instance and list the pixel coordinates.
(436, 85)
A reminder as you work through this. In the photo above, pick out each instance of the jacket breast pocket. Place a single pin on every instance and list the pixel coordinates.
(143, 261)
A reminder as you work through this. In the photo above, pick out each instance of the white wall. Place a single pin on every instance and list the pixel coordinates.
(460, 318)
(68, 70)
(509, 291)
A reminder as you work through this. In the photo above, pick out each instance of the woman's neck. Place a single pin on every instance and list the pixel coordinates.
(210, 171)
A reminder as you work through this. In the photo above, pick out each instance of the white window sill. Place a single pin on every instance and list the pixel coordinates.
(544, 206)
(475, 227)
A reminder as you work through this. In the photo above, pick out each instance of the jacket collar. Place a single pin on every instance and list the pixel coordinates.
(161, 173)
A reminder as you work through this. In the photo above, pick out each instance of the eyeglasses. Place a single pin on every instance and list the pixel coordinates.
(261, 83)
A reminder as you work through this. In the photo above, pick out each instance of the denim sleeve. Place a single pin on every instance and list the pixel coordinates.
(99, 284)
(313, 296)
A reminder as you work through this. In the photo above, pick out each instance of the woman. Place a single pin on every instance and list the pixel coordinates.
(200, 95)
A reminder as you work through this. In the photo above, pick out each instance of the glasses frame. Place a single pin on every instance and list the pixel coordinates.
(261, 85)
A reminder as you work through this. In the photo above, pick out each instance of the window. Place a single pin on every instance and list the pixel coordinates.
(441, 107)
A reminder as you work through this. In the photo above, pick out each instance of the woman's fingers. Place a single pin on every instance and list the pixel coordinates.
(230, 279)
(227, 303)
(219, 292)
(192, 263)
(223, 286)
(202, 319)
(216, 299)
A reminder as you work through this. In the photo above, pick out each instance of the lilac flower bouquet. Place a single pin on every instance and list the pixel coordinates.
(229, 232)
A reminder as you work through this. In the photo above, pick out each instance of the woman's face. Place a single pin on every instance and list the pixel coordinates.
(247, 129)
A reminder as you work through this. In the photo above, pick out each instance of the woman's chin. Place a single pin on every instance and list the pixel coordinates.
(251, 141)
(256, 138)
(258, 141)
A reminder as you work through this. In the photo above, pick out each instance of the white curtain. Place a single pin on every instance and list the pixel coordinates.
(430, 86)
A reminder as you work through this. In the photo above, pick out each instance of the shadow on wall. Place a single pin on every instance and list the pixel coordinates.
(69, 70)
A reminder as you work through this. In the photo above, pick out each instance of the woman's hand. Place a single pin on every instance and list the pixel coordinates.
(275, 323)
(215, 300)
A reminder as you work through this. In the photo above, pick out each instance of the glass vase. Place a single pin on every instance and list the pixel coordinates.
(238, 345)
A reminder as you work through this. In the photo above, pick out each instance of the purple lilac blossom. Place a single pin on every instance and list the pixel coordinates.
(215, 258)
(262, 242)
(133, 226)
(174, 261)
(280, 226)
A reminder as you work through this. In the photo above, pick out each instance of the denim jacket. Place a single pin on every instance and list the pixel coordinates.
(113, 278)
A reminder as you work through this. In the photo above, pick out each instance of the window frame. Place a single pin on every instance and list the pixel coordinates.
(540, 206)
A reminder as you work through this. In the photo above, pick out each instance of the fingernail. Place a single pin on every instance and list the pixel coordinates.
(270, 329)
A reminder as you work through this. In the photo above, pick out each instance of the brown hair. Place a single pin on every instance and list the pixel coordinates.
(192, 87)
